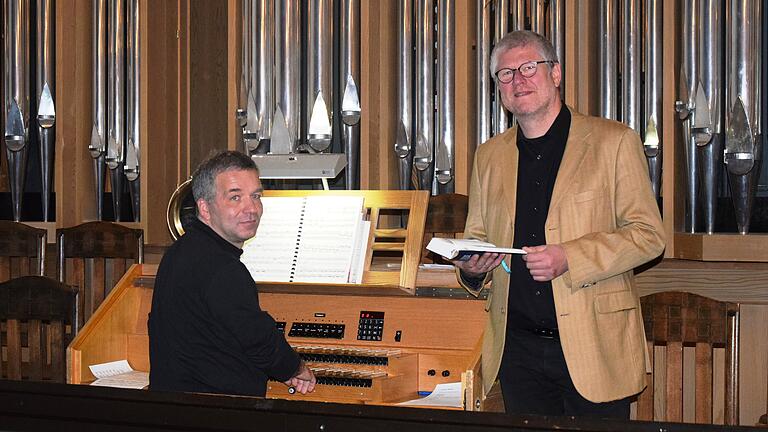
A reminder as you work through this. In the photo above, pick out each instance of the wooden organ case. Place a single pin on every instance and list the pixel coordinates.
(374, 343)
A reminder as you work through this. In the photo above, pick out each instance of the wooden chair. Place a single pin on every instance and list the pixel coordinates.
(446, 217)
(37, 317)
(93, 257)
(678, 320)
(22, 250)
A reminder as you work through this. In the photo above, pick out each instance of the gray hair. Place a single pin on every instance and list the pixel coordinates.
(204, 178)
(521, 38)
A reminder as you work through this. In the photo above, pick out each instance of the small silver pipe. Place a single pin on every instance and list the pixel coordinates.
(250, 51)
(685, 106)
(288, 71)
(46, 110)
(501, 120)
(97, 145)
(710, 153)
(517, 12)
(446, 80)
(608, 52)
(115, 155)
(743, 148)
(630, 65)
(423, 158)
(652, 127)
(484, 78)
(17, 94)
(245, 65)
(350, 79)
(262, 70)
(538, 11)
(319, 97)
(404, 136)
(133, 105)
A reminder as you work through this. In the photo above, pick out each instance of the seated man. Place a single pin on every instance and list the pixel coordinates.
(207, 332)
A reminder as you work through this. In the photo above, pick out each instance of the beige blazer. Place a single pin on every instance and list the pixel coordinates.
(604, 214)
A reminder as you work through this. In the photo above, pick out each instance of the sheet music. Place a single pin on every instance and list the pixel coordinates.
(269, 254)
(327, 239)
(118, 374)
(359, 253)
(304, 239)
(445, 395)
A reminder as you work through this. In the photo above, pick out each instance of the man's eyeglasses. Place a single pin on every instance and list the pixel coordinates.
(527, 70)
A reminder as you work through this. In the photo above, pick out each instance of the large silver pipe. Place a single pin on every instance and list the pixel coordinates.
(743, 148)
(97, 146)
(608, 30)
(319, 98)
(446, 80)
(115, 156)
(556, 13)
(287, 75)
(262, 72)
(251, 129)
(16, 91)
(404, 137)
(500, 118)
(630, 65)
(46, 84)
(652, 127)
(133, 105)
(350, 79)
(484, 77)
(423, 158)
(685, 106)
(710, 157)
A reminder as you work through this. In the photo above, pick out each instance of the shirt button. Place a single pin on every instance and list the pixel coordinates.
(538, 292)
(538, 183)
(538, 157)
(535, 209)
(533, 235)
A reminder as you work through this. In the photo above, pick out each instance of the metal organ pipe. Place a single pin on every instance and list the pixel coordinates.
(16, 91)
(350, 79)
(287, 74)
(608, 29)
(652, 126)
(133, 104)
(446, 131)
(320, 74)
(743, 148)
(501, 121)
(404, 137)
(484, 78)
(425, 107)
(97, 146)
(685, 106)
(46, 112)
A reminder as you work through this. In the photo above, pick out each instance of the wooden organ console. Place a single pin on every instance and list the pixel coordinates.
(368, 349)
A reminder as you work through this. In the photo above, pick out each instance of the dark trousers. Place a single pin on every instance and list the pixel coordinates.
(534, 380)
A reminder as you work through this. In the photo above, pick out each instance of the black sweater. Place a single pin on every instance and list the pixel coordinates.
(207, 332)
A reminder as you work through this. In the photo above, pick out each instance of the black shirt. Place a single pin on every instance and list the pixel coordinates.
(207, 332)
(530, 303)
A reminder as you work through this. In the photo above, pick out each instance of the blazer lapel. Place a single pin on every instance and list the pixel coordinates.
(508, 160)
(575, 149)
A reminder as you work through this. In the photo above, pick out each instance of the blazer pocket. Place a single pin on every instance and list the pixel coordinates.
(588, 195)
(615, 301)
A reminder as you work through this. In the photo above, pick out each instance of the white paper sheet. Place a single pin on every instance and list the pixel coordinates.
(118, 374)
(444, 395)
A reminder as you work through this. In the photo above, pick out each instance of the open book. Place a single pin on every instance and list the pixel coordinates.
(118, 374)
(316, 239)
(463, 249)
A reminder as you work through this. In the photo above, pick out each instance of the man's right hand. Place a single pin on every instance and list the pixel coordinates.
(479, 265)
(304, 380)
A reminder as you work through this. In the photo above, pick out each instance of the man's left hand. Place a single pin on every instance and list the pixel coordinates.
(545, 262)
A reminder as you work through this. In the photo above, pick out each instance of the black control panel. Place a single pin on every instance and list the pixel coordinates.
(280, 326)
(317, 330)
(371, 326)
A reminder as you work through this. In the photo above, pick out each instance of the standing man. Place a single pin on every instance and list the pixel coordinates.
(207, 332)
(565, 332)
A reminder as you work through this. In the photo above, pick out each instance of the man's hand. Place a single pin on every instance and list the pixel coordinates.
(478, 265)
(303, 381)
(545, 262)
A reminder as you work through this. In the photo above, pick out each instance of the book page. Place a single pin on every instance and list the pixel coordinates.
(445, 395)
(327, 239)
(269, 254)
(118, 374)
(359, 253)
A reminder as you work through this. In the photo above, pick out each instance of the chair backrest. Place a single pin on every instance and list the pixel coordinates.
(22, 250)
(37, 318)
(682, 326)
(446, 217)
(93, 257)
